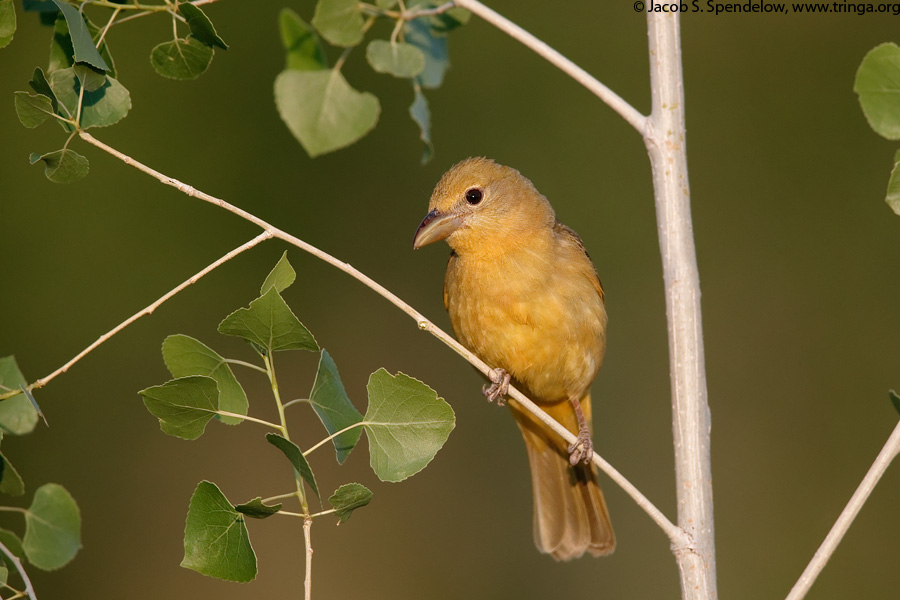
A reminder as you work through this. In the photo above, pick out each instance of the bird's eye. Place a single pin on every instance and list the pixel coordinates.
(474, 195)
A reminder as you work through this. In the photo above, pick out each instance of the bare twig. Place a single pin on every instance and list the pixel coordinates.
(665, 141)
(675, 534)
(29, 589)
(149, 309)
(890, 451)
(307, 539)
(628, 112)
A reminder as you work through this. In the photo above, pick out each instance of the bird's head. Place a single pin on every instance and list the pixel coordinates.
(481, 204)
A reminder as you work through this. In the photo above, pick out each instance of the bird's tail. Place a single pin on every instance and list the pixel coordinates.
(570, 515)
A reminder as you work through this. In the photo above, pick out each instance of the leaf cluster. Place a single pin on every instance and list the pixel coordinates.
(319, 106)
(79, 88)
(406, 423)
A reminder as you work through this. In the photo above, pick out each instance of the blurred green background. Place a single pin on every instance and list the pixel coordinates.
(798, 263)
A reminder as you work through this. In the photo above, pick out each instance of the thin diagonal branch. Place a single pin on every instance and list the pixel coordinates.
(149, 309)
(888, 453)
(616, 102)
(675, 534)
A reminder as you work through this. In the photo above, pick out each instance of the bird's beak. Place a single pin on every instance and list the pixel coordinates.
(435, 227)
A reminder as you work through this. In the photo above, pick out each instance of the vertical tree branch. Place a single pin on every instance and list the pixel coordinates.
(665, 140)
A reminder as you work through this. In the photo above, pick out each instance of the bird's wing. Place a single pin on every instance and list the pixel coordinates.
(569, 233)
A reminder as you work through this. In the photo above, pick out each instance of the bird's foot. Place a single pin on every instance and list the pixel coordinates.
(583, 448)
(498, 388)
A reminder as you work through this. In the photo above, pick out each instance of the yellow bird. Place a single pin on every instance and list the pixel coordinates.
(523, 295)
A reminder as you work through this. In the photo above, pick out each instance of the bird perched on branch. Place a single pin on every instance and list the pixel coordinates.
(523, 295)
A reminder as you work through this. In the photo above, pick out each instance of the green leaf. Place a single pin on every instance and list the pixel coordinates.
(878, 86)
(295, 455)
(62, 53)
(52, 528)
(185, 356)
(183, 406)
(182, 59)
(82, 42)
(281, 276)
(33, 109)
(17, 415)
(322, 111)
(339, 21)
(406, 423)
(13, 544)
(895, 400)
(348, 498)
(385, 4)
(7, 22)
(269, 323)
(216, 542)
(40, 85)
(334, 408)
(10, 481)
(201, 27)
(104, 106)
(304, 51)
(90, 79)
(255, 509)
(893, 191)
(398, 59)
(421, 114)
(62, 166)
(417, 33)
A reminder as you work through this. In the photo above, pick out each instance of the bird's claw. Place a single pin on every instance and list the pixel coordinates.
(583, 448)
(498, 388)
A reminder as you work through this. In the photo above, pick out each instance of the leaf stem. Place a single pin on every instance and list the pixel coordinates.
(271, 499)
(150, 8)
(242, 363)
(888, 453)
(226, 413)
(109, 23)
(29, 589)
(288, 513)
(334, 435)
(343, 57)
(296, 401)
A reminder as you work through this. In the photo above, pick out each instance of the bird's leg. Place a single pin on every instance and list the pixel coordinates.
(583, 448)
(499, 386)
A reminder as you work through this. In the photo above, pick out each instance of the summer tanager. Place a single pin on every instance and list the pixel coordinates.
(523, 295)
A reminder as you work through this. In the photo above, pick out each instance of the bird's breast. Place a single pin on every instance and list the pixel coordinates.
(544, 323)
